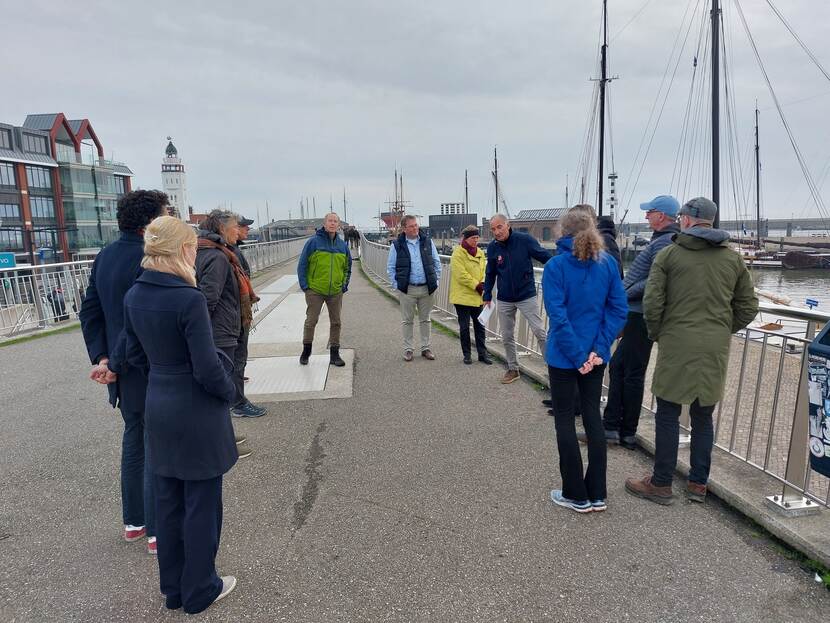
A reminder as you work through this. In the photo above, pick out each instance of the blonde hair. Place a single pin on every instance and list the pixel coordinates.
(581, 226)
(164, 241)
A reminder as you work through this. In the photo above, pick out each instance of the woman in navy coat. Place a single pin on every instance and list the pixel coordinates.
(189, 433)
(586, 307)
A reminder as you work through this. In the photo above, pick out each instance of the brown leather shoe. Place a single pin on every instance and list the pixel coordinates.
(643, 488)
(695, 492)
(427, 354)
(510, 376)
(407, 355)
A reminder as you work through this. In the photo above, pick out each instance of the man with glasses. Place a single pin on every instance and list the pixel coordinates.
(627, 369)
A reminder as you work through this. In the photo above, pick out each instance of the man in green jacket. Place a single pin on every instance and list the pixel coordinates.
(324, 270)
(698, 294)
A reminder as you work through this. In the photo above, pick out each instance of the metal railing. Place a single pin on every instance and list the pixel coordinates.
(763, 418)
(45, 296)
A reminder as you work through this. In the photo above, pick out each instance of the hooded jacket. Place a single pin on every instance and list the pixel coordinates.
(608, 231)
(635, 280)
(217, 281)
(698, 294)
(585, 304)
(325, 265)
(511, 263)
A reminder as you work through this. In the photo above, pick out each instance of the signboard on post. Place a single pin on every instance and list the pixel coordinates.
(7, 260)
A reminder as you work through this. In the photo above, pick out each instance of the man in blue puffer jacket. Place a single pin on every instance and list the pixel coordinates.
(510, 258)
(627, 369)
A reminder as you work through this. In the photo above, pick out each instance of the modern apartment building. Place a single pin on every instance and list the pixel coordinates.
(58, 193)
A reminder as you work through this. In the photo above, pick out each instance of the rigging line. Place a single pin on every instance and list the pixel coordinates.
(799, 157)
(657, 98)
(686, 128)
(798, 39)
(586, 136)
(696, 129)
(654, 103)
(732, 121)
(798, 101)
(701, 127)
(633, 17)
(611, 133)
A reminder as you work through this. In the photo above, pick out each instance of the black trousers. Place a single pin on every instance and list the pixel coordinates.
(240, 360)
(627, 370)
(465, 314)
(564, 384)
(189, 525)
(238, 384)
(666, 431)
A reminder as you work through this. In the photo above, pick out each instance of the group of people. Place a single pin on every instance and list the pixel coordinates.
(166, 319)
(686, 291)
(168, 311)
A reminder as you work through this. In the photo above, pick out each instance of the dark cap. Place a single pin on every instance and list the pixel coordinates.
(245, 222)
(700, 207)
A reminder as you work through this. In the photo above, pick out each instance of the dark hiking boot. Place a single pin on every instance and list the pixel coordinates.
(611, 436)
(485, 359)
(335, 359)
(643, 488)
(306, 354)
(696, 492)
(629, 442)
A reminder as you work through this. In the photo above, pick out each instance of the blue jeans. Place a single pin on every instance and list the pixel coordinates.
(137, 499)
(667, 430)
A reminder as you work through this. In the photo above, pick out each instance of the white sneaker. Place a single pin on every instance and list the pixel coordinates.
(228, 584)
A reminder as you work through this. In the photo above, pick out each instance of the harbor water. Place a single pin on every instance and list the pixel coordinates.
(799, 285)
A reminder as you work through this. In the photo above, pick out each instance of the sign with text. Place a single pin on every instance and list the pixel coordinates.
(7, 260)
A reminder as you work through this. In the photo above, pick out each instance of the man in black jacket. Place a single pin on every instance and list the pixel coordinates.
(115, 269)
(217, 279)
(510, 267)
(241, 354)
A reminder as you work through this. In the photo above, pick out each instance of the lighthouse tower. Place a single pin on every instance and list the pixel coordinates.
(174, 181)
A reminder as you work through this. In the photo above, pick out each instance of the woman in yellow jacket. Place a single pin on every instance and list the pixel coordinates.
(466, 285)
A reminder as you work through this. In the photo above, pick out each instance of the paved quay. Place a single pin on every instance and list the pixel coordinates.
(422, 497)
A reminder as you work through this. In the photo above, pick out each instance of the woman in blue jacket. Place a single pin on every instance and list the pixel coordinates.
(190, 438)
(586, 307)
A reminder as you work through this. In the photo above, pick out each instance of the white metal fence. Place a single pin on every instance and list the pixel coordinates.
(764, 416)
(40, 297)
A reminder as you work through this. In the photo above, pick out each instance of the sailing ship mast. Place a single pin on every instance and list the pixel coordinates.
(757, 181)
(602, 82)
(716, 108)
(496, 174)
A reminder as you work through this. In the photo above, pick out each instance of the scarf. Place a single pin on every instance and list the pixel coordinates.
(247, 298)
(469, 248)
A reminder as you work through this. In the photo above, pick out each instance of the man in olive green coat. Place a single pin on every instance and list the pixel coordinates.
(698, 294)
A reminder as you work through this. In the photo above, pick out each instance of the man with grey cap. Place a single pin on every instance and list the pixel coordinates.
(698, 294)
(240, 356)
(628, 365)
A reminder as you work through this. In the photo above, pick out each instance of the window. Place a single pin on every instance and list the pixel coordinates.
(39, 177)
(5, 138)
(11, 240)
(120, 186)
(42, 207)
(9, 212)
(546, 233)
(34, 143)
(7, 175)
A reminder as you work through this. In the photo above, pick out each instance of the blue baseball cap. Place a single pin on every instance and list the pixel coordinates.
(666, 204)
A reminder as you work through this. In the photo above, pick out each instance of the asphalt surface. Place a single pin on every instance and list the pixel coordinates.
(422, 498)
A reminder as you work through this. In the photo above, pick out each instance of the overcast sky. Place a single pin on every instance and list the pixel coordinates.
(277, 101)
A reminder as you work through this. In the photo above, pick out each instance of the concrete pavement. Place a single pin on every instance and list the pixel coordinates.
(423, 497)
